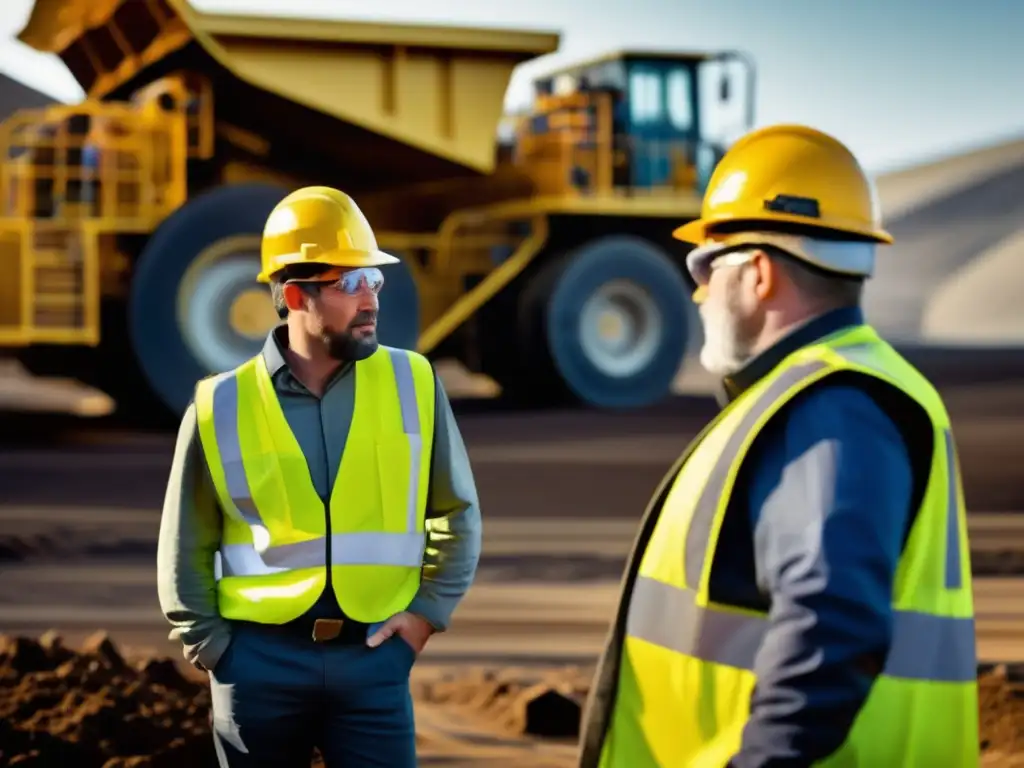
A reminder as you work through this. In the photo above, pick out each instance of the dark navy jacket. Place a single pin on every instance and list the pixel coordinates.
(818, 520)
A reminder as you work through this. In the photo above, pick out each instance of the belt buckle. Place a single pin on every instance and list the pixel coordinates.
(326, 629)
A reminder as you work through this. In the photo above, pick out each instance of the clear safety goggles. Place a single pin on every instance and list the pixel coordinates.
(351, 283)
(854, 259)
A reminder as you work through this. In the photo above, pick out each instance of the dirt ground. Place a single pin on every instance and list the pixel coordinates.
(92, 708)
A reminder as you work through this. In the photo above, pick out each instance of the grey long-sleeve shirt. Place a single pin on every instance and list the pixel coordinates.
(190, 529)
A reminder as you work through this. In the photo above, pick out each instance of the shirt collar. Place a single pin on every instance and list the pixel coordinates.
(804, 335)
(273, 350)
(277, 363)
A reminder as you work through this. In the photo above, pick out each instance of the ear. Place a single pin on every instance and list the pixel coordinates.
(767, 276)
(294, 297)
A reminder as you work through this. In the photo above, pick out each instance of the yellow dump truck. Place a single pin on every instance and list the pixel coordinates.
(130, 222)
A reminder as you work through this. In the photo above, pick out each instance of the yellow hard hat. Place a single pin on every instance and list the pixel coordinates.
(789, 174)
(318, 225)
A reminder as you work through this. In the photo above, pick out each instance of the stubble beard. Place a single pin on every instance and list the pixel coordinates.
(728, 337)
(346, 346)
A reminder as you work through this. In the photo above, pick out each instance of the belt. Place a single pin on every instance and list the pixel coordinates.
(340, 630)
(344, 631)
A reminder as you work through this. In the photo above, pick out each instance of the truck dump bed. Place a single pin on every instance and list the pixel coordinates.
(388, 103)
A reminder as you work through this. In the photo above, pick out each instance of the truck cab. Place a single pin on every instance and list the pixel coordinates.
(640, 121)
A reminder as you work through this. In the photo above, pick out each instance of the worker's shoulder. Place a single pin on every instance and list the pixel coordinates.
(212, 380)
(422, 369)
(411, 353)
(843, 403)
(825, 427)
(416, 360)
(188, 427)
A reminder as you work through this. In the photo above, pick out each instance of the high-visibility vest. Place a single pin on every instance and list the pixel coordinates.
(278, 537)
(686, 670)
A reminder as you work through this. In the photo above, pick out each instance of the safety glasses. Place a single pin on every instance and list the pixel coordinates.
(351, 283)
(356, 281)
(732, 259)
(853, 258)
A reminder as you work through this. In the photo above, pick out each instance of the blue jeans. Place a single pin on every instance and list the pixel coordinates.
(276, 696)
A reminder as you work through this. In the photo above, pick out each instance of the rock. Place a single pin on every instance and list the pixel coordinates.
(53, 645)
(22, 655)
(163, 672)
(51, 639)
(102, 647)
(545, 711)
(14, 549)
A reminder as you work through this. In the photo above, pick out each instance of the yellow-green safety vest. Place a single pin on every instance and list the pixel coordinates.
(278, 538)
(686, 671)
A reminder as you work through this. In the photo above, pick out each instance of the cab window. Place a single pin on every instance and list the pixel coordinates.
(645, 98)
(680, 99)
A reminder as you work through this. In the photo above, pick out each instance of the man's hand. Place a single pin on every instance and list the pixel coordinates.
(411, 628)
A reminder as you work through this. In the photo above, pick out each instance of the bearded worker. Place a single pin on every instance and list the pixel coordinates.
(329, 478)
(799, 593)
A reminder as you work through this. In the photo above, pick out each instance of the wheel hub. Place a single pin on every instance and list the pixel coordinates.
(252, 314)
(223, 313)
(620, 328)
(613, 327)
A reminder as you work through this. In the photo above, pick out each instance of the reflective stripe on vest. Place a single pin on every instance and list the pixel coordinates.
(924, 646)
(364, 548)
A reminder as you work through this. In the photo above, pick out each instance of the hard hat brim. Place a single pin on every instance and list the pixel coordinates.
(692, 232)
(697, 231)
(351, 259)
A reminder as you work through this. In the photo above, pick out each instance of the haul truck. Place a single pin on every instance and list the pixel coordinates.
(130, 222)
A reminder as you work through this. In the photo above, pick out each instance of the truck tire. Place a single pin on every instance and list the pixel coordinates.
(200, 261)
(613, 315)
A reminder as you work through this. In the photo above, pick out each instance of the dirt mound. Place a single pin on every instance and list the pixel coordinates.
(1001, 702)
(547, 705)
(90, 708)
(550, 705)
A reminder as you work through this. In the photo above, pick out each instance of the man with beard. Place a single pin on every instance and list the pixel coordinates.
(800, 590)
(328, 478)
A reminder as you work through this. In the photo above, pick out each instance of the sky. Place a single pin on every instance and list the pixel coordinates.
(900, 81)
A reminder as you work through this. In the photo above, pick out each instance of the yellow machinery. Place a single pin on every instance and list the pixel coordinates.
(130, 222)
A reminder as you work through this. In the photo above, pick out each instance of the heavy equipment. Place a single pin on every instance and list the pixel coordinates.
(130, 222)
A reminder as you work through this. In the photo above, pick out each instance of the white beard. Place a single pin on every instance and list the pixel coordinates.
(725, 351)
